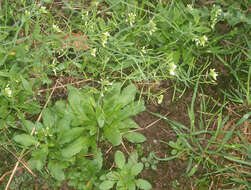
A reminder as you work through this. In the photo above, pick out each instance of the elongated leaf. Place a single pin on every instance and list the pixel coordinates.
(49, 118)
(136, 169)
(38, 158)
(127, 95)
(27, 86)
(143, 184)
(128, 123)
(120, 159)
(25, 140)
(113, 135)
(135, 137)
(75, 147)
(56, 170)
(106, 185)
(72, 134)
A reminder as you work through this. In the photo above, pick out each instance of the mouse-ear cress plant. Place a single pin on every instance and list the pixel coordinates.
(68, 138)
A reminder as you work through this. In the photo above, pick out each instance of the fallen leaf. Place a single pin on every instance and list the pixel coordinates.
(77, 41)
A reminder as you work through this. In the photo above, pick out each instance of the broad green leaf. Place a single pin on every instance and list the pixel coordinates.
(106, 185)
(135, 137)
(25, 140)
(38, 158)
(71, 134)
(28, 125)
(136, 169)
(75, 99)
(56, 170)
(127, 95)
(120, 159)
(131, 186)
(133, 158)
(132, 109)
(143, 184)
(128, 123)
(100, 116)
(113, 135)
(112, 175)
(75, 147)
(27, 86)
(49, 118)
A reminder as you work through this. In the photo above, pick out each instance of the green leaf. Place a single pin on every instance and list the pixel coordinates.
(143, 184)
(75, 147)
(128, 123)
(113, 135)
(120, 159)
(56, 170)
(49, 118)
(106, 185)
(25, 140)
(127, 95)
(135, 137)
(70, 135)
(38, 158)
(136, 169)
(27, 86)
(28, 125)
(132, 109)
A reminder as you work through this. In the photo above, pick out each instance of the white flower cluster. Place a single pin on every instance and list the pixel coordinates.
(105, 38)
(172, 68)
(131, 18)
(190, 7)
(200, 41)
(43, 10)
(213, 74)
(56, 28)
(152, 27)
(215, 13)
(8, 91)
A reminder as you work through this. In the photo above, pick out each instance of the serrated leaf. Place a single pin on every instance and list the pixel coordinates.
(135, 137)
(75, 147)
(143, 184)
(136, 169)
(56, 170)
(25, 140)
(113, 135)
(120, 159)
(70, 135)
(106, 185)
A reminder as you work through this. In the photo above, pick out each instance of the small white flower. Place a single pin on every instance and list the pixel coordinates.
(201, 41)
(160, 99)
(43, 9)
(143, 50)
(172, 69)
(152, 27)
(8, 91)
(190, 7)
(93, 52)
(131, 17)
(27, 13)
(56, 28)
(105, 38)
(213, 74)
